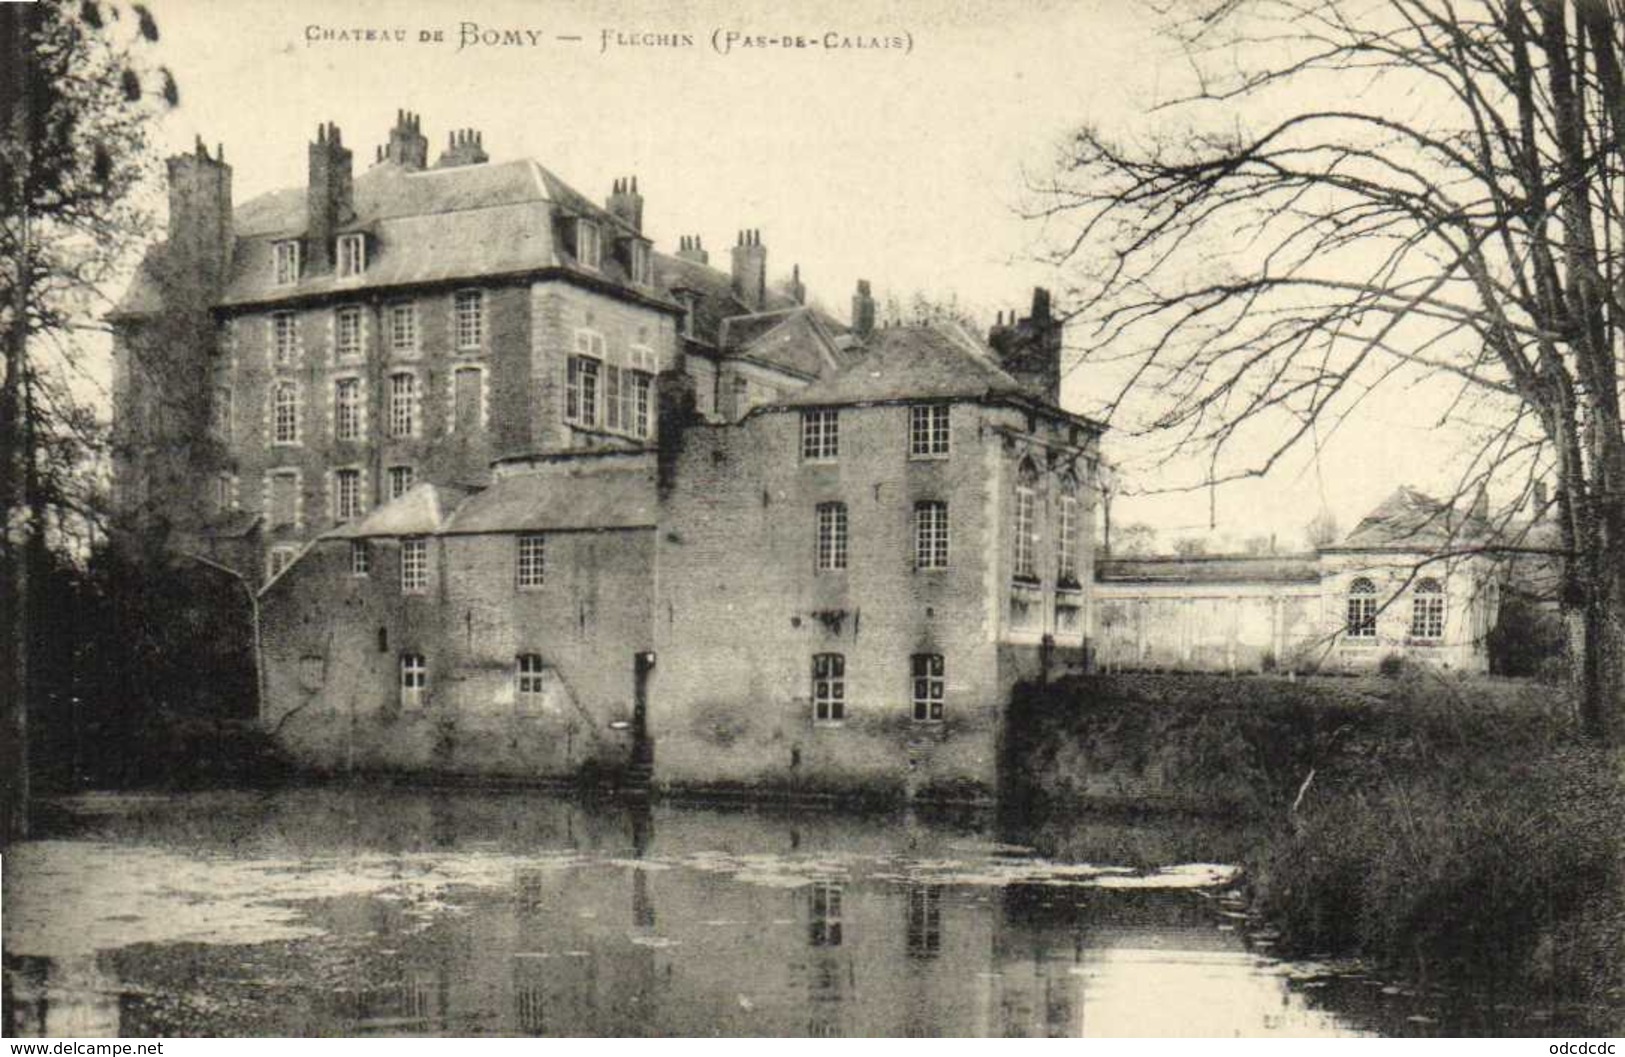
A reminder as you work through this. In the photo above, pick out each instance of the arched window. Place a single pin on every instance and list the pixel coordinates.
(1066, 532)
(1362, 611)
(1427, 610)
(1026, 524)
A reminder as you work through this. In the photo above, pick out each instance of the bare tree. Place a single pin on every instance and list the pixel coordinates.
(1321, 531)
(1358, 196)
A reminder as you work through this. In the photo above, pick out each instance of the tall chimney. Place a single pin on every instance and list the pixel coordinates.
(690, 249)
(625, 202)
(1541, 500)
(200, 235)
(750, 270)
(328, 200)
(408, 146)
(464, 146)
(863, 310)
(798, 291)
(1030, 348)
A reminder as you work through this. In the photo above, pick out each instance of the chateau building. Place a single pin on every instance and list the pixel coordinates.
(532, 499)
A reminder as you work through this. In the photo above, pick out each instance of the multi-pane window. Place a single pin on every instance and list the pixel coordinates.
(931, 535)
(1427, 610)
(924, 921)
(589, 248)
(279, 559)
(285, 413)
(820, 434)
(225, 493)
(1362, 609)
(1025, 530)
(614, 404)
(286, 255)
(346, 494)
(831, 536)
(284, 339)
(928, 430)
(360, 558)
(581, 390)
(829, 687)
(824, 915)
(312, 672)
(352, 254)
(347, 409)
(403, 327)
(347, 332)
(640, 262)
(414, 680)
(400, 480)
(1066, 533)
(531, 678)
(221, 424)
(403, 404)
(926, 671)
(414, 564)
(642, 403)
(467, 398)
(532, 561)
(470, 318)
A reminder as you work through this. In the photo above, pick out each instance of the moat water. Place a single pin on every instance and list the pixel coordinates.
(368, 910)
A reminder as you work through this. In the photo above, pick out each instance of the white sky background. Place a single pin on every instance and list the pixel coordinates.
(905, 170)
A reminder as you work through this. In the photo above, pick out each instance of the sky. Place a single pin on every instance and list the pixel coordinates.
(906, 165)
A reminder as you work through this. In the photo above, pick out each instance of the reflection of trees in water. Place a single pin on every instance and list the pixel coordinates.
(924, 920)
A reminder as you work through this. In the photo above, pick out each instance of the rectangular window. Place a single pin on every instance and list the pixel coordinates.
(924, 921)
(225, 493)
(824, 915)
(284, 339)
(530, 677)
(347, 409)
(614, 404)
(642, 404)
(829, 687)
(347, 332)
(532, 561)
(581, 391)
(467, 395)
(403, 327)
(284, 499)
(1066, 540)
(287, 262)
(470, 312)
(352, 254)
(589, 253)
(931, 535)
(831, 536)
(1427, 611)
(346, 494)
(640, 263)
(1026, 559)
(414, 565)
(312, 672)
(414, 680)
(926, 671)
(928, 430)
(280, 558)
(400, 481)
(820, 434)
(285, 413)
(403, 402)
(360, 558)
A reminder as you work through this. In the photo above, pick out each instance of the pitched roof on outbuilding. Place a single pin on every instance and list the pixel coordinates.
(586, 495)
(1409, 520)
(420, 512)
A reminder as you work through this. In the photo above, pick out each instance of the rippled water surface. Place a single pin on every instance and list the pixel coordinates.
(349, 911)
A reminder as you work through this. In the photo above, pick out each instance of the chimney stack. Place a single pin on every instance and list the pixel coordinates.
(200, 235)
(464, 146)
(625, 202)
(863, 310)
(690, 249)
(408, 146)
(798, 291)
(328, 201)
(1541, 500)
(750, 270)
(1030, 348)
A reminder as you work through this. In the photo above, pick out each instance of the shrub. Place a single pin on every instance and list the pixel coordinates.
(1391, 665)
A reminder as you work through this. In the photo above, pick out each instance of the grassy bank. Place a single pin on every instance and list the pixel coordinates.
(1455, 831)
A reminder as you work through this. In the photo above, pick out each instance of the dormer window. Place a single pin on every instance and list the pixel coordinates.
(589, 251)
(640, 263)
(287, 262)
(352, 254)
